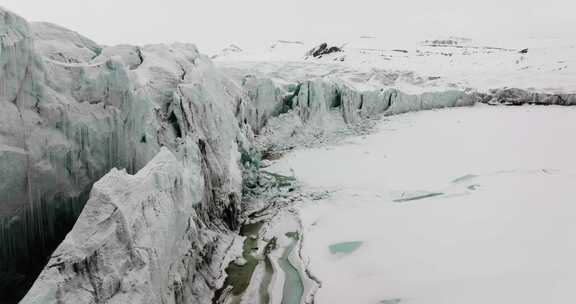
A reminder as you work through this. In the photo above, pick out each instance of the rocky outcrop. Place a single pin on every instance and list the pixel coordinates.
(323, 49)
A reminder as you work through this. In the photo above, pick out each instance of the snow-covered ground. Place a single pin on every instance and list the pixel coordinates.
(469, 205)
(546, 65)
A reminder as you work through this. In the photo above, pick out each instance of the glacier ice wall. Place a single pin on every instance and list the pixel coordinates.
(139, 239)
(71, 111)
(316, 109)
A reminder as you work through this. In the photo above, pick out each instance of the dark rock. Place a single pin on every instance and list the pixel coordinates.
(323, 49)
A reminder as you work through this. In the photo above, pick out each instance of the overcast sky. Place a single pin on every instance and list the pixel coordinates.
(213, 24)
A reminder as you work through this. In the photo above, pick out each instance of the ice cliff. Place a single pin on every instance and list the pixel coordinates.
(121, 166)
(71, 111)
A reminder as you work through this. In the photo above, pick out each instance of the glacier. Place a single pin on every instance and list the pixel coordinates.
(123, 167)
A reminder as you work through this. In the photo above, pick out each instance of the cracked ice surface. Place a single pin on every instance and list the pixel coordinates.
(499, 232)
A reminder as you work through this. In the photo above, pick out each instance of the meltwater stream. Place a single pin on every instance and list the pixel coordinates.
(472, 205)
(240, 276)
(293, 287)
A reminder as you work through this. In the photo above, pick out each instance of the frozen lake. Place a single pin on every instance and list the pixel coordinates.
(457, 206)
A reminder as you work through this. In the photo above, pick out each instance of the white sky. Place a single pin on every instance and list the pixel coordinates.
(213, 24)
